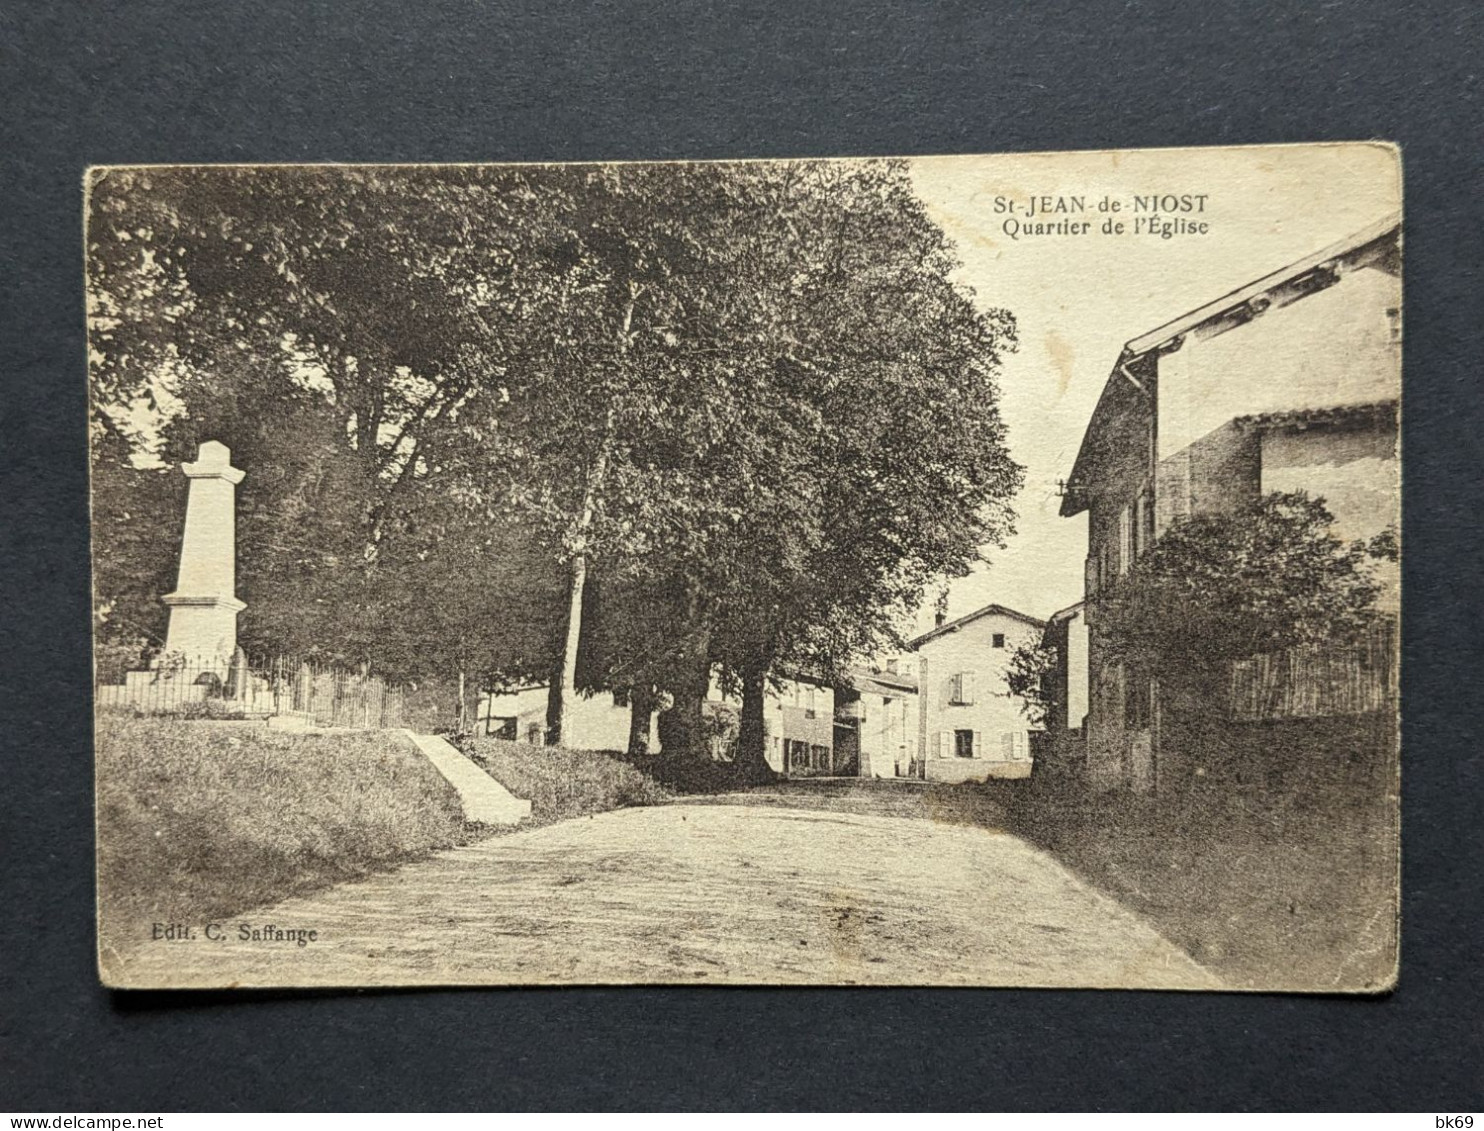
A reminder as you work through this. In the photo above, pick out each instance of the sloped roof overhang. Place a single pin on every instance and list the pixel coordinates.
(1376, 245)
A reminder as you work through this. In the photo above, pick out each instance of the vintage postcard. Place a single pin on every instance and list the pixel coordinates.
(970, 570)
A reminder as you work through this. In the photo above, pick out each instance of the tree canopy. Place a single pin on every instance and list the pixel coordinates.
(747, 400)
(1030, 676)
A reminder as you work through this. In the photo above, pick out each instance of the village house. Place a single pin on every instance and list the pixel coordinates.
(1290, 382)
(799, 725)
(876, 720)
(1066, 638)
(940, 711)
(1065, 688)
(798, 722)
(970, 728)
(595, 722)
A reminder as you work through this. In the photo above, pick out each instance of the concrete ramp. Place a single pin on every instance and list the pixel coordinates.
(484, 799)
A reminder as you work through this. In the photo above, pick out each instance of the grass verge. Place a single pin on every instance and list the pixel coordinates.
(561, 784)
(965, 803)
(1267, 896)
(198, 821)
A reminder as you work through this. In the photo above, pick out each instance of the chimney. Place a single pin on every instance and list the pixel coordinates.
(939, 619)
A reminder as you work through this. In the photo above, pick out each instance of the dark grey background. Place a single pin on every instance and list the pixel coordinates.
(408, 80)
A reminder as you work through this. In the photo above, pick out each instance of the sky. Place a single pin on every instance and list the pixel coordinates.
(1078, 299)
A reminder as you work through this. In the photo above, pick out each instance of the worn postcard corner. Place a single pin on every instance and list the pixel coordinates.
(967, 570)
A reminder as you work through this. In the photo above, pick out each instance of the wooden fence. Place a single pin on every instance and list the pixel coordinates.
(1318, 680)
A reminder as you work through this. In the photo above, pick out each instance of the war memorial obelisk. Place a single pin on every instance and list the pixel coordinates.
(204, 605)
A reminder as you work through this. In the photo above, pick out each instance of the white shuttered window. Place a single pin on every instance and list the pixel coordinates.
(962, 693)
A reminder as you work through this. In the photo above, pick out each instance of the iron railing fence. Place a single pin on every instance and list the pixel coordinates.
(315, 692)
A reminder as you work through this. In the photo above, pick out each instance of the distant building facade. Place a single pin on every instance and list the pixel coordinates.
(798, 722)
(969, 726)
(1288, 383)
(798, 729)
(940, 711)
(1066, 638)
(876, 719)
(1066, 687)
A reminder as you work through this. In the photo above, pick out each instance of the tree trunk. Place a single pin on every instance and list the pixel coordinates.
(568, 690)
(641, 714)
(554, 700)
(559, 714)
(683, 726)
(752, 739)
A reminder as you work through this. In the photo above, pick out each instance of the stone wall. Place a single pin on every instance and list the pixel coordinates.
(1218, 473)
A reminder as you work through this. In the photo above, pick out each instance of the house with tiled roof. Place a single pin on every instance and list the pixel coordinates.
(941, 710)
(876, 719)
(970, 728)
(1291, 382)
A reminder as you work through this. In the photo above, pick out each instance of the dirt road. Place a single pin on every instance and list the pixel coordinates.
(697, 894)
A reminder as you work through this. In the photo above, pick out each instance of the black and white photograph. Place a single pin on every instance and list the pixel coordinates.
(971, 570)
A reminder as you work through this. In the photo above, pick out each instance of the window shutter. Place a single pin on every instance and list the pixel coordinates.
(945, 744)
(979, 751)
(968, 687)
(1125, 541)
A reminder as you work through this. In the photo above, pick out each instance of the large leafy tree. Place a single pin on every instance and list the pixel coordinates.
(867, 458)
(394, 293)
(1219, 587)
(340, 329)
(598, 437)
(133, 509)
(798, 431)
(747, 397)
